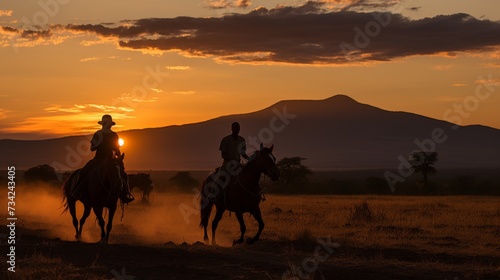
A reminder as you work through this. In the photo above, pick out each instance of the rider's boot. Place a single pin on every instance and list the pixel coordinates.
(126, 196)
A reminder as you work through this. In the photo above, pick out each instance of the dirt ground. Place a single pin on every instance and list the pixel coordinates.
(43, 258)
(156, 241)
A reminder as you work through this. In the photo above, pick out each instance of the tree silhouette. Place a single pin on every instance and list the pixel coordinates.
(42, 172)
(424, 162)
(183, 179)
(293, 172)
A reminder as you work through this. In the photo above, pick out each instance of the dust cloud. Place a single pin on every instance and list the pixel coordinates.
(168, 217)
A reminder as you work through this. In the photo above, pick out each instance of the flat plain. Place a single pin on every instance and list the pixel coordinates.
(305, 237)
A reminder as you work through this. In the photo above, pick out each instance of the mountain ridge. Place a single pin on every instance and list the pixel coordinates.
(336, 132)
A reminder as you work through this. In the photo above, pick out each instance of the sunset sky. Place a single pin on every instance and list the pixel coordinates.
(152, 63)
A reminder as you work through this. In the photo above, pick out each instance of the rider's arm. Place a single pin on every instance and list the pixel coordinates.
(223, 149)
(243, 149)
(96, 141)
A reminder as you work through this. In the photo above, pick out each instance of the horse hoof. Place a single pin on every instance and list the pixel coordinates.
(250, 241)
(103, 241)
(206, 241)
(238, 241)
(78, 237)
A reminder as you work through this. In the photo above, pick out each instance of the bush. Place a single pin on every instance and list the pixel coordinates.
(44, 172)
(361, 213)
(183, 179)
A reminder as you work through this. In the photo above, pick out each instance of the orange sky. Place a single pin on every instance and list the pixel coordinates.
(59, 78)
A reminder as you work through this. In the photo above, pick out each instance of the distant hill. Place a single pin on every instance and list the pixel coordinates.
(334, 133)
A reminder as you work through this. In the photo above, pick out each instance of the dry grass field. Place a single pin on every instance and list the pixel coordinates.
(366, 237)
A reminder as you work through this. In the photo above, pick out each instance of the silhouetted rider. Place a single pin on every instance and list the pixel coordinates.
(232, 148)
(105, 144)
(105, 141)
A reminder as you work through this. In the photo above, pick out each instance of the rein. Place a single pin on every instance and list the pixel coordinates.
(261, 195)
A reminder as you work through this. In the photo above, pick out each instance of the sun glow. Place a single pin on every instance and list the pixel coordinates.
(121, 142)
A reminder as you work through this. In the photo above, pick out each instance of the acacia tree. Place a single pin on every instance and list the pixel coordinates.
(293, 172)
(424, 162)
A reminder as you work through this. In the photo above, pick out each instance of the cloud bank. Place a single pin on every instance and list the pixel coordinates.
(309, 34)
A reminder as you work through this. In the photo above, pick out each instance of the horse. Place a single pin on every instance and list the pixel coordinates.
(104, 182)
(241, 194)
(143, 182)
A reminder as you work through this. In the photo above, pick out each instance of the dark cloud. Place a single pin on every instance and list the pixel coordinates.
(304, 35)
(9, 29)
(310, 7)
(243, 3)
(363, 5)
(224, 4)
(28, 34)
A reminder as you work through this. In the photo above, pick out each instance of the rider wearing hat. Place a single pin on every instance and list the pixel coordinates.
(105, 141)
(105, 144)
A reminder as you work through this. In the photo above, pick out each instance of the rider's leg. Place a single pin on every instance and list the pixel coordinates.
(125, 195)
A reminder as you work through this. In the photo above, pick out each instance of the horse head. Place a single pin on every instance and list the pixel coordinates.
(267, 162)
(146, 180)
(141, 180)
(117, 170)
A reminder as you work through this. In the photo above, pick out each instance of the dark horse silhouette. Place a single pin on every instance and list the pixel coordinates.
(143, 182)
(241, 194)
(103, 186)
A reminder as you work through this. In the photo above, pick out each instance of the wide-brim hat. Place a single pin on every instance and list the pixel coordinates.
(106, 119)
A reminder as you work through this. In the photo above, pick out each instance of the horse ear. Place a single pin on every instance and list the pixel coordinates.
(272, 147)
(261, 146)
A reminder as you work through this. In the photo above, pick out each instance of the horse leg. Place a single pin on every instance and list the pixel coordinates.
(243, 228)
(98, 214)
(86, 213)
(258, 216)
(205, 209)
(110, 222)
(215, 222)
(205, 234)
(72, 211)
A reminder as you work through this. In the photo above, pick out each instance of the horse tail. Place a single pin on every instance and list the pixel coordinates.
(206, 205)
(66, 189)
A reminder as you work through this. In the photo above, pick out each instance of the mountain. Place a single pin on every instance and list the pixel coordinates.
(334, 133)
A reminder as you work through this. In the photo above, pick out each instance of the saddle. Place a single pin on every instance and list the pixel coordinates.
(82, 178)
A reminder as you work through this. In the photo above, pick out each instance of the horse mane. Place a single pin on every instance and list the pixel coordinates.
(254, 155)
